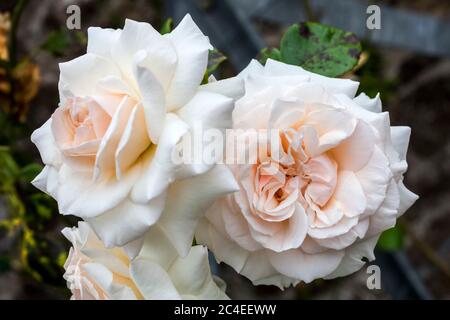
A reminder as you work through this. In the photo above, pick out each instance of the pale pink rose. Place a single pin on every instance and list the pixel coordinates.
(318, 207)
(124, 107)
(94, 272)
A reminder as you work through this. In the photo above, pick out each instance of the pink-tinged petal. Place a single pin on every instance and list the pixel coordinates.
(184, 208)
(291, 234)
(374, 179)
(133, 142)
(248, 106)
(310, 246)
(234, 223)
(85, 151)
(322, 172)
(350, 194)
(352, 260)
(127, 221)
(105, 161)
(108, 101)
(81, 75)
(62, 128)
(343, 241)
(305, 267)
(326, 216)
(100, 119)
(254, 265)
(340, 228)
(191, 46)
(286, 113)
(332, 127)
(355, 152)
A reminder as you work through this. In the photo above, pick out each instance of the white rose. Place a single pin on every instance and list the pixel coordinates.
(124, 106)
(316, 211)
(94, 272)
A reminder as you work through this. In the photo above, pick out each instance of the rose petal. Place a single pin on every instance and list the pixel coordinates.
(352, 261)
(184, 208)
(191, 46)
(152, 280)
(305, 267)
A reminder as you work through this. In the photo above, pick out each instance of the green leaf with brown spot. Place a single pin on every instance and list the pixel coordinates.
(320, 49)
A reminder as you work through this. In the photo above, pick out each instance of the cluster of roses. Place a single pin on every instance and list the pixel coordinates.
(126, 104)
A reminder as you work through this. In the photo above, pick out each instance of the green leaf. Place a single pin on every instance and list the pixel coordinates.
(56, 42)
(167, 26)
(392, 239)
(269, 53)
(320, 49)
(215, 59)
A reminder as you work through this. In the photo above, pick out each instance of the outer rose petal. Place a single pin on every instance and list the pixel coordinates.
(160, 170)
(192, 276)
(192, 47)
(231, 87)
(364, 101)
(253, 265)
(127, 221)
(352, 260)
(184, 208)
(45, 142)
(100, 41)
(305, 267)
(153, 96)
(152, 280)
(73, 74)
(78, 195)
(334, 85)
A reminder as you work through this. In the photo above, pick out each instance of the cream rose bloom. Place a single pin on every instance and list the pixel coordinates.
(318, 208)
(124, 106)
(94, 272)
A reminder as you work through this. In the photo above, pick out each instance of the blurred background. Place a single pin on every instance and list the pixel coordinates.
(407, 61)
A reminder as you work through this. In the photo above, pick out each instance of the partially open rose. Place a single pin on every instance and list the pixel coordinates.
(316, 206)
(124, 106)
(94, 272)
